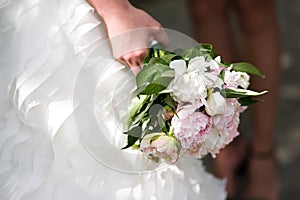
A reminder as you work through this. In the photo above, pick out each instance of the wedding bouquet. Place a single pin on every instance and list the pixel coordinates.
(188, 102)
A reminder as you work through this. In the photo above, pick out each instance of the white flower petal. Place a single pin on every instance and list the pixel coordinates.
(235, 79)
(179, 67)
(215, 104)
(198, 63)
(213, 65)
(218, 59)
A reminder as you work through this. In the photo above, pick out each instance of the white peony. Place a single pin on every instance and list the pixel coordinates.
(199, 63)
(215, 104)
(192, 83)
(235, 79)
(179, 67)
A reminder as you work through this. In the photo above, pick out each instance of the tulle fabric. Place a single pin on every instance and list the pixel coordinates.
(44, 46)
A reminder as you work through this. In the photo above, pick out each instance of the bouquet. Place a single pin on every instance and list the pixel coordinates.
(187, 103)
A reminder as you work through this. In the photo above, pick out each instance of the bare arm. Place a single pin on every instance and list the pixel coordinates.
(122, 18)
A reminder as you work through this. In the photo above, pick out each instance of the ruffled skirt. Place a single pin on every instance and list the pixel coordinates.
(58, 89)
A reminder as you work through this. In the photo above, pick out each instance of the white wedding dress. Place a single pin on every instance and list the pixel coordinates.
(61, 95)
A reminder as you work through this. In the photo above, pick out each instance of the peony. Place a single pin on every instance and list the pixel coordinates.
(208, 69)
(179, 67)
(215, 104)
(161, 145)
(216, 68)
(223, 130)
(235, 79)
(189, 87)
(209, 145)
(191, 83)
(199, 63)
(228, 123)
(190, 127)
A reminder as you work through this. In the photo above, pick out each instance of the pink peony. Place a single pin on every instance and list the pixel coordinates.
(224, 129)
(227, 124)
(161, 145)
(210, 145)
(190, 127)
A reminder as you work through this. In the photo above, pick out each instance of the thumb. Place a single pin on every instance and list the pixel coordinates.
(160, 35)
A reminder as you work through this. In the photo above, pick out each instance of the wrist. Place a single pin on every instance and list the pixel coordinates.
(109, 8)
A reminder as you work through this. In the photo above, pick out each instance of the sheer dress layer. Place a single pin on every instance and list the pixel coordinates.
(52, 55)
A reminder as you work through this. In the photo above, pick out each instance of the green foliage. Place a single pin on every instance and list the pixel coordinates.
(246, 67)
(205, 50)
(240, 93)
(152, 83)
(247, 101)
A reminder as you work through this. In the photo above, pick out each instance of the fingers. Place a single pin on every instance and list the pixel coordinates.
(135, 70)
(134, 59)
(160, 35)
(137, 47)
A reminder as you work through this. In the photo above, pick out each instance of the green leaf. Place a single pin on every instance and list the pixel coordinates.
(156, 60)
(152, 88)
(130, 141)
(168, 73)
(149, 56)
(140, 117)
(159, 82)
(224, 64)
(247, 67)
(150, 73)
(133, 136)
(169, 57)
(135, 132)
(177, 57)
(179, 52)
(136, 104)
(158, 46)
(238, 93)
(135, 110)
(222, 74)
(170, 102)
(155, 137)
(161, 121)
(164, 81)
(247, 101)
(205, 50)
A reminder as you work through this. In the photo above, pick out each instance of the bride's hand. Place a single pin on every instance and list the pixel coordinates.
(130, 30)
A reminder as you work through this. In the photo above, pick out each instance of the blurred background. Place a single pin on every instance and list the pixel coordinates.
(173, 14)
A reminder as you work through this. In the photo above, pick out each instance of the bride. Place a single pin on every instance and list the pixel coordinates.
(63, 99)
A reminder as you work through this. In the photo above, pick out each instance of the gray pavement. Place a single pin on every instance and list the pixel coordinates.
(174, 15)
